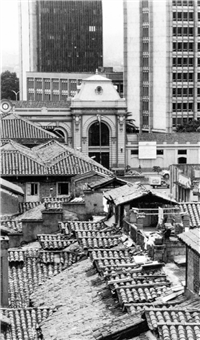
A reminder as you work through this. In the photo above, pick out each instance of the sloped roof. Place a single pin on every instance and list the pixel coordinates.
(52, 158)
(193, 210)
(82, 310)
(102, 182)
(133, 191)
(10, 186)
(97, 88)
(20, 160)
(65, 160)
(192, 239)
(15, 127)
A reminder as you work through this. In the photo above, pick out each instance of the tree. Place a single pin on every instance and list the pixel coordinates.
(9, 83)
(192, 126)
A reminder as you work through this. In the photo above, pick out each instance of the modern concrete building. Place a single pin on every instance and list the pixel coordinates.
(162, 62)
(59, 36)
(62, 86)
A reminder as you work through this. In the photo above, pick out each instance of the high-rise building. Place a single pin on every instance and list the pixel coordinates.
(162, 62)
(60, 36)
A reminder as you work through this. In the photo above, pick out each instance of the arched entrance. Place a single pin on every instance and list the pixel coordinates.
(99, 143)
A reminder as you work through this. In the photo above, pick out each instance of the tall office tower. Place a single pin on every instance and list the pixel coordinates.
(60, 36)
(162, 62)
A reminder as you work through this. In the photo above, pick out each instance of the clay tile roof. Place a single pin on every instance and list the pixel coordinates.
(86, 226)
(52, 242)
(17, 159)
(192, 239)
(193, 210)
(15, 127)
(29, 268)
(24, 322)
(65, 160)
(51, 158)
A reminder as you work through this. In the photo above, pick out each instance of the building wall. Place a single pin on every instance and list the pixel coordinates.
(132, 58)
(160, 69)
(9, 202)
(4, 270)
(25, 44)
(54, 86)
(44, 186)
(161, 62)
(193, 271)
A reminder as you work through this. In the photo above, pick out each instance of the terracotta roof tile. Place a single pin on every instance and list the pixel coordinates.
(50, 241)
(52, 158)
(86, 226)
(88, 243)
(179, 332)
(193, 210)
(24, 322)
(176, 315)
(32, 267)
(15, 127)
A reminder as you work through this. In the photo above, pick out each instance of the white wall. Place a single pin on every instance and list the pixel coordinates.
(160, 39)
(132, 57)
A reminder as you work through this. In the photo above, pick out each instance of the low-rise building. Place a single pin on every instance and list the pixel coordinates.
(191, 239)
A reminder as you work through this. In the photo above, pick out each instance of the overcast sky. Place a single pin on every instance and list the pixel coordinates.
(112, 25)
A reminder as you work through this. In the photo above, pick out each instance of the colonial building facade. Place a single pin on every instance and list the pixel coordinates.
(94, 122)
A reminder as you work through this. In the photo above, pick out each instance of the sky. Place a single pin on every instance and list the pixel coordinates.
(112, 26)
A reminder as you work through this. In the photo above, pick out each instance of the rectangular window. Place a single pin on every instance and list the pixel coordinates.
(191, 16)
(198, 106)
(145, 32)
(198, 91)
(182, 152)
(145, 62)
(145, 106)
(190, 92)
(145, 120)
(32, 189)
(63, 188)
(160, 152)
(145, 3)
(198, 76)
(190, 107)
(92, 28)
(145, 76)
(145, 91)
(190, 77)
(145, 47)
(134, 152)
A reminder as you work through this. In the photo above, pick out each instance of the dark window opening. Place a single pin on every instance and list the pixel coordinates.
(63, 188)
(182, 152)
(134, 152)
(160, 152)
(99, 135)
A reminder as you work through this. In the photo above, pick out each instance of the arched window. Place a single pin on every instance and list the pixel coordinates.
(182, 160)
(98, 134)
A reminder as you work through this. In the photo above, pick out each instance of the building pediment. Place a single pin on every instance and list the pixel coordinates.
(97, 91)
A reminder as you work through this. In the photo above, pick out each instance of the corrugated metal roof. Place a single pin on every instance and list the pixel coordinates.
(15, 127)
(192, 239)
(130, 192)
